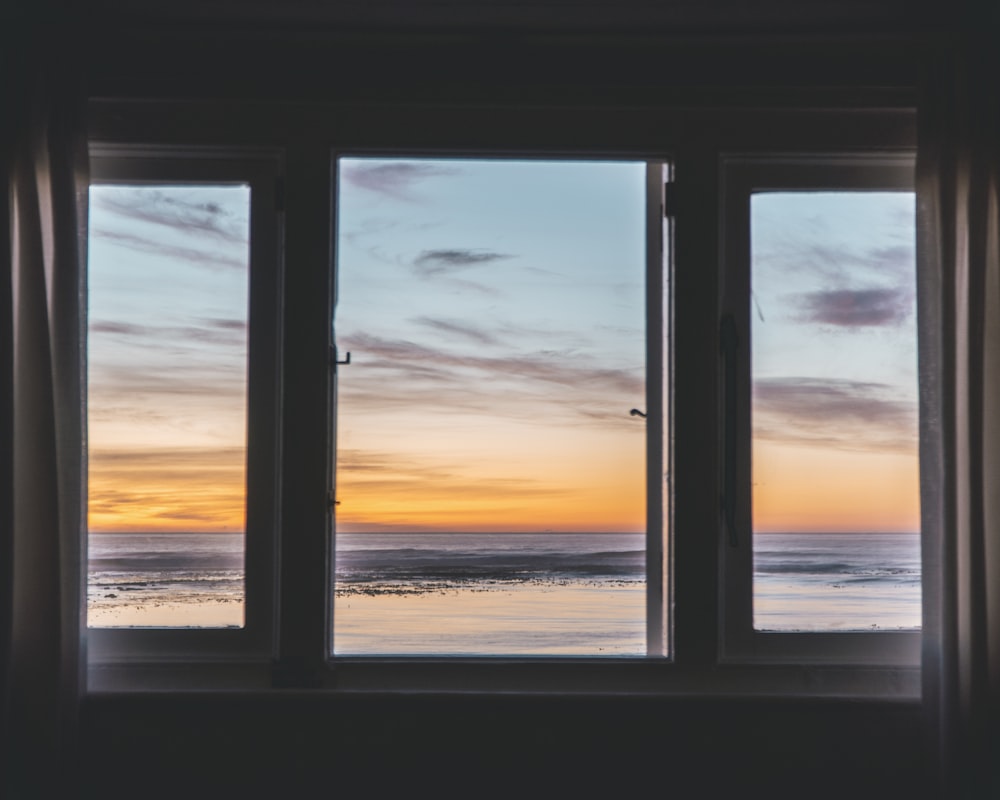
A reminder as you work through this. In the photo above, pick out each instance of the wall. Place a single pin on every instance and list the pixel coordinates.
(288, 744)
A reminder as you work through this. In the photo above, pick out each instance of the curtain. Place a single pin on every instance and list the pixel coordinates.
(41, 432)
(958, 175)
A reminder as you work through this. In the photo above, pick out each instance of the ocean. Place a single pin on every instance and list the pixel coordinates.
(836, 581)
(503, 594)
(165, 580)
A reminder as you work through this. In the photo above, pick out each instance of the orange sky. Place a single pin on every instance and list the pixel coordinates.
(807, 489)
(535, 479)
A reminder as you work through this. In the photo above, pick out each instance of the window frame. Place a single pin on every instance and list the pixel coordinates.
(658, 306)
(116, 164)
(742, 176)
(303, 136)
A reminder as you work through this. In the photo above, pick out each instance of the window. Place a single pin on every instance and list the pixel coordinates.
(821, 279)
(418, 368)
(491, 461)
(181, 499)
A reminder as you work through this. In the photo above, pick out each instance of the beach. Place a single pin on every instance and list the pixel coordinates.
(521, 619)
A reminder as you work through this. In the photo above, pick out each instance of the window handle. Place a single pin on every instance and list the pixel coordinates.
(334, 359)
(635, 412)
(729, 341)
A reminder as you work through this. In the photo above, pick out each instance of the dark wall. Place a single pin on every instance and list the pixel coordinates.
(285, 745)
(434, 746)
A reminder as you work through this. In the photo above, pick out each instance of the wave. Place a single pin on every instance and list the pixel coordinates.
(165, 562)
(407, 565)
(821, 568)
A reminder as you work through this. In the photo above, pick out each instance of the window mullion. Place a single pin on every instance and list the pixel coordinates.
(304, 555)
(696, 451)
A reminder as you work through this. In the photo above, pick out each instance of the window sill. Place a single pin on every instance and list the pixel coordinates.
(621, 677)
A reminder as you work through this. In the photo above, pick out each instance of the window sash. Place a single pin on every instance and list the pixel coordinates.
(112, 164)
(697, 140)
(658, 368)
(742, 176)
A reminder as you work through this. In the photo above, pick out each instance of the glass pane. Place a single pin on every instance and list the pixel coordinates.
(490, 478)
(167, 364)
(836, 511)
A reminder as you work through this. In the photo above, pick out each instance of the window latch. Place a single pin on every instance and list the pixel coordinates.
(335, 360)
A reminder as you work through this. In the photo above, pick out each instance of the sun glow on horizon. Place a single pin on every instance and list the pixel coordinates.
(167, 353)
(497, 346)
(834, 362)
(495, 315)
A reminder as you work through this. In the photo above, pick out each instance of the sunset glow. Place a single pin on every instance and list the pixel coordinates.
(167, 357)
(493, 310)
(834, 362)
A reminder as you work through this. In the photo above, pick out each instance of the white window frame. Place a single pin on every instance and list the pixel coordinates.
(125, 165)
(742, 176)
(303, 138)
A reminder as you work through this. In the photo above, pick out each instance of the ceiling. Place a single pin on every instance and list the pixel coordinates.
(651, 16)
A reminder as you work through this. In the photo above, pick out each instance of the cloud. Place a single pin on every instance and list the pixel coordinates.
(167, 458)
(227, 324)
(118, 328)
(456, 328)
(838, 262)
(395, 179)
(445, 262)
(856, 307)
(548, 387)
(207, 258)
(133, 489)
(541, 366)
(170, 209)
(362, 473)
(848, 415)
(214, 331)
(217, 384)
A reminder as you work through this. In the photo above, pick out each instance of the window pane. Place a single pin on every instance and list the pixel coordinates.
(490, 478)
(836, 509)
(167, 364)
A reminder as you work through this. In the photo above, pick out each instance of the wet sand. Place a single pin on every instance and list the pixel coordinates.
(565, 619)
(200, 613)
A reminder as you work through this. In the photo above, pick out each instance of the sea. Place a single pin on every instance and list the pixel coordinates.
(503, 593)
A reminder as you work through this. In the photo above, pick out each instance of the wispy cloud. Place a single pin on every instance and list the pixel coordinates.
(216, 384)
(844, 414)
(840, 262)
(166, 488)
(535, 385)
(855, 307)
(431, 263)
(545, 366)
(231, 332)
(168, 458)
(362, 472)
(213, 259)
(172, 210)
(457, 328)
(396, 179)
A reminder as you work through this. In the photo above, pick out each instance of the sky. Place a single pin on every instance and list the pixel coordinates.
(167, 304)
(494, 312)
(834, 362)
